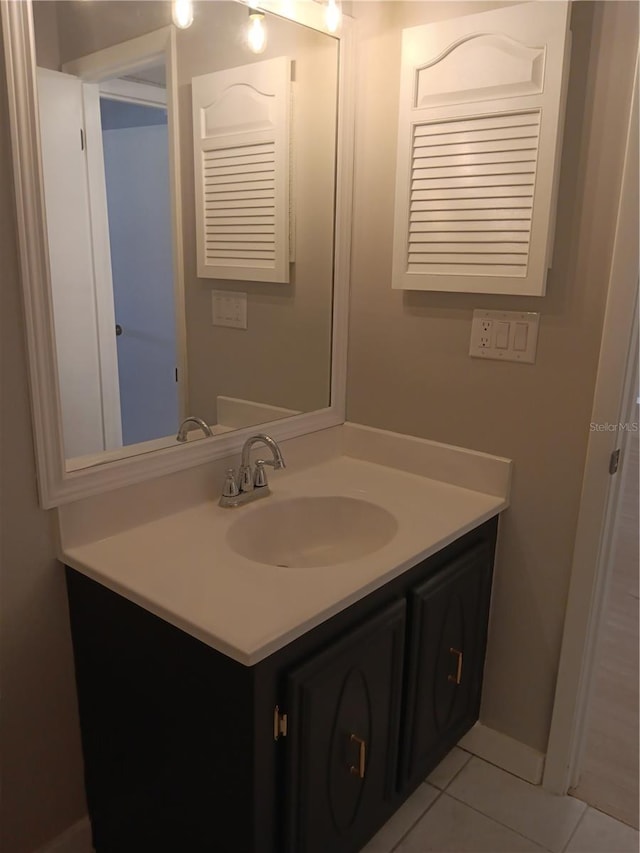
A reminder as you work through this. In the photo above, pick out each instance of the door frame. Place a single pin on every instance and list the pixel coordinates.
(102, 273)
(93, 70)
(592, 556)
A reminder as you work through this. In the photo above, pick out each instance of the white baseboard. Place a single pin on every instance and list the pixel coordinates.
(76, 839)
(505, 752)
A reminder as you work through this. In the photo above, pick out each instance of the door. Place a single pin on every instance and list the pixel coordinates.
(107, 196)
(136, 165)
(71, 262)
(343, 718)
(448, 616)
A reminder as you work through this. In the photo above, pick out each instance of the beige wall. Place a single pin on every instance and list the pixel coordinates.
(45, 20)
(86, 27)
(409, 368)
(40, 763)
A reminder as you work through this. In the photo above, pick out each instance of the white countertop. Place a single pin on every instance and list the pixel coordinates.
(181, 568)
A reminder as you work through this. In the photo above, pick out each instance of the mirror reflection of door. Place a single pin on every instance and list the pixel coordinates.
(136, 166)
(116, 195)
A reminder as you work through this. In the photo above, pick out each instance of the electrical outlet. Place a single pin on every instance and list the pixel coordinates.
(484, 334)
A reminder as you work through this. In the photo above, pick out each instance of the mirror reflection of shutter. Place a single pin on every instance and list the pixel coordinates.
(241, 156)
(479, 138)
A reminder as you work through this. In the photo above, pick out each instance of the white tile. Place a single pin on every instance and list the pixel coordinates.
(449, 767)
(451, 827)
(598, 832)
(545, 818)
(402, 821)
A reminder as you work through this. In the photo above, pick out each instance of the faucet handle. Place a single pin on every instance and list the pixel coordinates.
(230, 488)
(260, 475)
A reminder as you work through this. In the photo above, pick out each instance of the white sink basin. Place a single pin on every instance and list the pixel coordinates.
(313, 531)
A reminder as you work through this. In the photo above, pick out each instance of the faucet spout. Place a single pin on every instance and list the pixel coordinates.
(277, 460)
(204, 426)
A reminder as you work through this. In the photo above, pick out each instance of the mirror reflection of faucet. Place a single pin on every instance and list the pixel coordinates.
(184, 427)
(250, 484)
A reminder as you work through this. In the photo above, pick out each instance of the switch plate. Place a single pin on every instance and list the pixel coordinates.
(505, 335)
(501, 335)
(229, 309)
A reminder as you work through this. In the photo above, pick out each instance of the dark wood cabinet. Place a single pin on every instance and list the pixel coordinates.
(186, 749)
(344, 707)
(448, 616)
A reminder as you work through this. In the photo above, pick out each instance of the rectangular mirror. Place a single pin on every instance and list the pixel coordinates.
(193, 252)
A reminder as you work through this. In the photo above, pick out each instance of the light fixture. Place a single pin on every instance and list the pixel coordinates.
(182, 13)
(257, 32)
(333, 15)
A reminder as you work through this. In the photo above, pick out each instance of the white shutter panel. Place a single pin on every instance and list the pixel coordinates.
(241, 153)
(481, 103)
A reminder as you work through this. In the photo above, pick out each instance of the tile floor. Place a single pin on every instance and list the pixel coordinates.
(469, 806)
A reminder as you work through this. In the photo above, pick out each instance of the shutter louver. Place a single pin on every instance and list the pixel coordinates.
(479, 137)
(241, 122)
(239, 189)
(471, 198)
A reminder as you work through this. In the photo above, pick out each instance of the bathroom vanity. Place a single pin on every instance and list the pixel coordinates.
(308, 751)
(234, 705)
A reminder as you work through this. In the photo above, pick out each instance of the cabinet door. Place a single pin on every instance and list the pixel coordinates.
(343, 730)
(448, 616)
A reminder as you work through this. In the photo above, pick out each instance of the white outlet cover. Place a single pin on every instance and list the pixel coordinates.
(229, 308)
(488, 329)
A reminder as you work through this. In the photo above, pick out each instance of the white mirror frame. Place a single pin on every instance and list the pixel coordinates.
(56, 484)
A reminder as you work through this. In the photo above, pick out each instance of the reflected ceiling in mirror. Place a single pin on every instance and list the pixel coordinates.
(145, 334)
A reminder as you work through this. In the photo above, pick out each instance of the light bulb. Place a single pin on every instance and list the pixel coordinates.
(182, 13)
(333, 15)
(257, 32)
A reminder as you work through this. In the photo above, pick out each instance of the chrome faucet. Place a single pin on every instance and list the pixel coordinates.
(204, 426)
(251, 485)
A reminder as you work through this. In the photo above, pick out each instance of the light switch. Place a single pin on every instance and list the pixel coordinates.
(229, 309)
(520, 336)
(502, 334)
